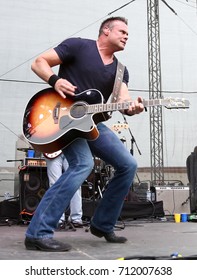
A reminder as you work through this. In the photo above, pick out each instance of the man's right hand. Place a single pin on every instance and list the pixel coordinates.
(63, 87)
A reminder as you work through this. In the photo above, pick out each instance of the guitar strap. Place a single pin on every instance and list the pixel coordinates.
(117, 82)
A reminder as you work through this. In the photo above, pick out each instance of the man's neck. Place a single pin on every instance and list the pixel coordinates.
(105, 52)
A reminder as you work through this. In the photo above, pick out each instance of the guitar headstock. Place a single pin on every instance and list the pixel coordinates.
(119, 126)
(176, 103)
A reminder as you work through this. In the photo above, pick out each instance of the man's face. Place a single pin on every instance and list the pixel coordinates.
(118, 35)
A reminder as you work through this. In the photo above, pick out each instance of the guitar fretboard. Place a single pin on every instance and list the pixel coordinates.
(98, 108)
(169, 103)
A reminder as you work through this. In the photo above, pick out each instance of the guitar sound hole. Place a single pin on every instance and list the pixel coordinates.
(78, 111)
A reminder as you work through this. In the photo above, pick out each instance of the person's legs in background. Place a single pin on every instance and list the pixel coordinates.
(76, 209)
(55, 168)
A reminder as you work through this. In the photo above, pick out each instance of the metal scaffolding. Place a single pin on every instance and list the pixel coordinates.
(156, 122)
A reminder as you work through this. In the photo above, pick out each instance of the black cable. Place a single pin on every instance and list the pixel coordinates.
(110, 13)
(121, 7)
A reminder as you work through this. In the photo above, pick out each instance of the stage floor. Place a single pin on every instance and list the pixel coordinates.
(158, 237)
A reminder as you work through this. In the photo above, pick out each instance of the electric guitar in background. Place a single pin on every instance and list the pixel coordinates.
(119, 126)
(52, 155)
(51, 122)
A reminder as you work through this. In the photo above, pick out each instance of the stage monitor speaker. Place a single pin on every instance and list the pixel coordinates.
(33, 185)
(175, 198)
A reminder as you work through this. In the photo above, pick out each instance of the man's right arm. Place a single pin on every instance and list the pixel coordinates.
(42, 67)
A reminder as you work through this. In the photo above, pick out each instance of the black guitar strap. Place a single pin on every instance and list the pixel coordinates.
(117, 82)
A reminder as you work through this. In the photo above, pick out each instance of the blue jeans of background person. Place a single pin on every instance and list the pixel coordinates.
(109, 148)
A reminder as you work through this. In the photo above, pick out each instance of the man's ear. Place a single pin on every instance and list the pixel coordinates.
(106, 30)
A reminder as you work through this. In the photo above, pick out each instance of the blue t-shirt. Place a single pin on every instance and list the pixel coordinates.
(83, 67)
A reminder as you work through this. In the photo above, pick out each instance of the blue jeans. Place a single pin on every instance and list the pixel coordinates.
(111, 150)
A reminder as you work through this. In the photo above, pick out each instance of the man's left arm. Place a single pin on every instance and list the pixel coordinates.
(136, 106)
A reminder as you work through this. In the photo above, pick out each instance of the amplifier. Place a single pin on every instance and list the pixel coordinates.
(176, 199)
(37, 162)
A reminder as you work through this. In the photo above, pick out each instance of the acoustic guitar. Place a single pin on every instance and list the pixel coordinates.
(51, 122)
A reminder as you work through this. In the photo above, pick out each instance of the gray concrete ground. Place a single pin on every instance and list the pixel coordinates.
(146, 237)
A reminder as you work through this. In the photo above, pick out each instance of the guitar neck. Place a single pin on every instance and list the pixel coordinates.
(168, 103)
(99, 108)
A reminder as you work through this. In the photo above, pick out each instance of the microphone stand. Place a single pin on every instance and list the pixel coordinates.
(132, 142)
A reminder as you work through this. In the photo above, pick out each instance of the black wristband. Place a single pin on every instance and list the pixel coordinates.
(53, 79)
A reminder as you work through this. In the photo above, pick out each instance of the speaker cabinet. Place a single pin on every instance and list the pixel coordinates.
(33, 185)
(175, 199)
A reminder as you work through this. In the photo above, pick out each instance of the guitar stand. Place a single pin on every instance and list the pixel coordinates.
(67, 225)
(132, 144)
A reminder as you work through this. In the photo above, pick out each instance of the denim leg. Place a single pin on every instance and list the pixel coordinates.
(57, 198)
(109, 148)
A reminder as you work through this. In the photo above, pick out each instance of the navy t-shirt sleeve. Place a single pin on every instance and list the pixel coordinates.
(126, 76)
(67, 49)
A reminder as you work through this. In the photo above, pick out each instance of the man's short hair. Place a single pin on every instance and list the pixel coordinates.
(109, 23)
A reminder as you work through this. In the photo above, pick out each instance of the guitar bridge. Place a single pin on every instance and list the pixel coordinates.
(56, 112)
